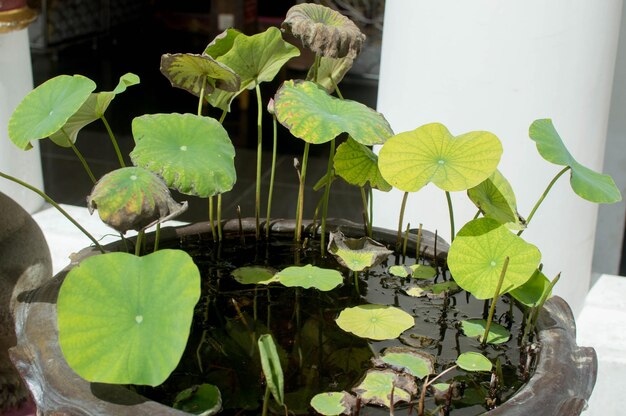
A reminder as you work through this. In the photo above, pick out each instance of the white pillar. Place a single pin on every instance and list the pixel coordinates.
(497, 66)
(16, 80)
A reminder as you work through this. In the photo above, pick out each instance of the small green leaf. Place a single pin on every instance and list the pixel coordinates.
(531, 292)
(192, 153)
(399, 270)
(124, 319)
(255, 275)
(440, 288)
(330, 72)
(421, 271)
(476, 328)
(310, 276)
(442, 387)
(271, 367)
(495, 198)
(477, 255)
(473, 361)
(377, 386)
(416, 292)
(333, 403)
(410, 160)
(588, 184)
(357, 165)
(312, 115)
(416, 363)
(375, 321)
(356, 253)
(47, 108)
(203, 400)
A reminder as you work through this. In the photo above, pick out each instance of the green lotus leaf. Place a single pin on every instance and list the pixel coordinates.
(270, 362)
(132, 199)
(418, 364)
(475, 328)
(357, 165)
(124, 319)
(356, 253)
(416, 292)
(92, 110)
(254, 275)
(330, 72)
(377, 385)
(473, 361)
(312, 115)
(588, 184)
(192, 153)
(203, 400)
(421, 271)
(412, 159)
(324, 30)
(333, 403)
(441, 288)
(531, 292)
(399, 270)
(495, 198)
(256, 59)
(375, 321)
(477, 255)
(310, 276)
(47, 108)
(442, 387)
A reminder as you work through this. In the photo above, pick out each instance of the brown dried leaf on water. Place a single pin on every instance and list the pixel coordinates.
(357, 253)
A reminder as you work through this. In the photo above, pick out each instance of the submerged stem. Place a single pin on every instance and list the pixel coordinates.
(219, 217)
(329, 171)
(211, 220)
(492, 309)
(113, 141)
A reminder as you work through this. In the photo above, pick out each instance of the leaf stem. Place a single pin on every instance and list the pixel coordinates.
(492, 309)
(365, 215)
(56, 206)
(451, 212)
(138, 242)
(401, 220)
(219, 217)
(371, 218)
(201, 96)
(80, 157)
(272, 174)
(157, 236)
(211, 220)
(113, 141)
(300, 208)
(259, 150)
(329, 172)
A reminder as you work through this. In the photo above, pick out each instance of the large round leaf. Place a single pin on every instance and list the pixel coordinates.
(310, 276)
(311, 114)
(324, 30)
(412, 159)
(477, 255)
(193, 154)
(588, 184)
(47, 108)
(357, 165)
(124, 319)
(496, 199)
(375, 321)
(131, 199)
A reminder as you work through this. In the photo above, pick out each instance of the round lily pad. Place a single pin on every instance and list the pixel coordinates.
(377, 385)
(375, 321)
(477, 255)
(333, 403)
(399, 270)
(124, 319)
(203, 400)
(416, 363)
(310, 276)
(421, 271)
(357, 165)
(410, 160)
(416, 292)
(473, 361)
(254, 275)
(475, 328)
(47, 108)
(192, 153)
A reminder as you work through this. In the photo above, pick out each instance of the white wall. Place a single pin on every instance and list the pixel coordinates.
(497, 66)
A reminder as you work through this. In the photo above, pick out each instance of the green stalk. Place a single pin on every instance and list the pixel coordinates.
(543, 196)
(406, 239)
(371, 219)
(157, 236)
(492, 309)
(300, 207)
(259, 150)
(365, 216)
(80, 157)
(138, 242)
(211, 221)
(401, 220)
(223, 116)
(266, 399)
(418, 243)
(329, 170)
(219, 217)
(55, 205)
(272, 174)
(113, 141)
(451, 212)
(201, 96)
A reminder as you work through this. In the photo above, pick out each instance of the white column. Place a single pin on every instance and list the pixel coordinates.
(497, 66)
(16, 80)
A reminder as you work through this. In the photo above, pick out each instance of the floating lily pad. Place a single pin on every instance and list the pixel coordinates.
(330, 72)
(416, 292)
(124, 319)
(416, 363)
(254, 275)
(333, 403)
(475, 328)
(477, 255)
(310, 276)
(193, 154)
(440, 288)
(442, 387)
(375, 321)
(256, 59)
(92, 110)
(324, 30)
(399, 270)
(495, 198)
(312, 115)
(132, 199)
(473, 361)
(588, 184)
(410, 160)
(357, 165)
(203, 400)
(356, 253)
(531, 292)
(272, 369)
(377, 386)
(421, 271)
(47, 108)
